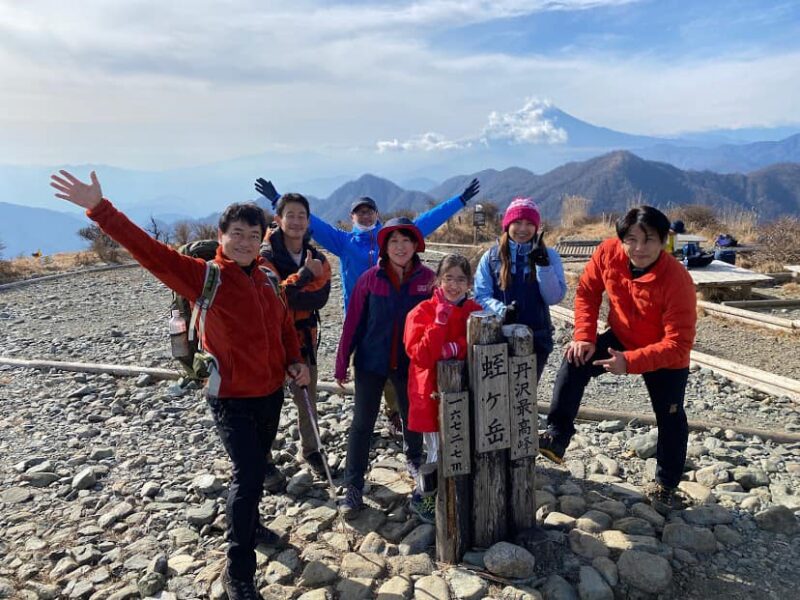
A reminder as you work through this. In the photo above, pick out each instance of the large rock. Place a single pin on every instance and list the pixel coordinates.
(466, 585)
(317, 574)
(84, 479)
(592, 586)
(418, 540)
(644, 571)
(558, 588)
(778, 519)
(594, 521)
(431, 586)
(712, 476)
(586, 545)
(694, 539)
(508, 560)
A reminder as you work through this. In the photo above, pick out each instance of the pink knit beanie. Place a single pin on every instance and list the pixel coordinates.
(521, 208)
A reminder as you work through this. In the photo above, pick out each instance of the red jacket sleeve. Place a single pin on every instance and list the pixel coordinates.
(183, 274)
(291, 344)
(423, 338)
(680, 321)
(589, 297)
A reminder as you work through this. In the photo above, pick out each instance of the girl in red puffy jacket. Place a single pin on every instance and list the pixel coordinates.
(436, 329)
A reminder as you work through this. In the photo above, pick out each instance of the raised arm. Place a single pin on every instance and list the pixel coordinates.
(431, 220)
(183, 274)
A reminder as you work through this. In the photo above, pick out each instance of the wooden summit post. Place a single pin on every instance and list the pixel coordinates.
(522, 385)
(454, 486)
(491, 432)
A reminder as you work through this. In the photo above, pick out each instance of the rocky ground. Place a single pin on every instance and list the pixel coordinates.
(115, 487)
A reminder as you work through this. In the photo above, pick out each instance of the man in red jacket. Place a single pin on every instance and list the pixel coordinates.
(251, 339)
(651, 319)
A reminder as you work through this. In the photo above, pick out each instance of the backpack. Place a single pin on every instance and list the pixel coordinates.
(197, 363)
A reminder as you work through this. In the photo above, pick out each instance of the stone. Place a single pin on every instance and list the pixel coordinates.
(694, 539)
(614, 508)
(696, 491)
(574, 506)
(607, 568)
(593, 521)
(418, 540)
(618, 542)
(710, 514)
(370, 566)
(784, 495)
(207, 483)
(317, 574)
(727, 535)
(509, 560)
(300, 483)
(649, 514)
(466, 585)
(84, 479)
(150, 584)
(586, 545)
(101, 453)
(181, 564)
(644, 571)
(16, 495)
(396, 588)
(558, 588)
(713, 475)
(778, 519)
(592, 586)
(557, 520)
(634, 526)
(611, 426)
(520, 593)
(644, 445)
(355, 588)
(431, 586)
(413, 564)
(203, 514)
(41, 479)
(184, 536)
(319, 594)
(750, 477)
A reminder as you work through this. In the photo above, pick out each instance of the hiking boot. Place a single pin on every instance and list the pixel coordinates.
(316, 463)
(551, 448)
(274, 480)
(424, 507)
(413, 469)
(353, 502)
(265, 536)
(662, 498)
(395, 425)
(240, 589)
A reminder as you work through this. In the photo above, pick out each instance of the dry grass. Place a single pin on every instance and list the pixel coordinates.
(27, 267)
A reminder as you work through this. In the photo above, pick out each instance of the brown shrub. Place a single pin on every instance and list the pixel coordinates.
(696, 217)
(101, 244)
(779, 242)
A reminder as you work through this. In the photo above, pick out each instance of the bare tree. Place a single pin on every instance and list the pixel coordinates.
(182, 233)
(204, 231)
(160, 234)
(106, 249)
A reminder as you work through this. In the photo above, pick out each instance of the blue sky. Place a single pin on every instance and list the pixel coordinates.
(152, 85)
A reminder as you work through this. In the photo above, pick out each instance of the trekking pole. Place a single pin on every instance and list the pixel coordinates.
(315, 427)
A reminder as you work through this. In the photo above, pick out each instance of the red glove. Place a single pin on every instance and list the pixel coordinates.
(449, 350)
(443, 308)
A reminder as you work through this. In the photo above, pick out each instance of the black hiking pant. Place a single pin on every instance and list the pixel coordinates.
(247, 427)
(666, 387)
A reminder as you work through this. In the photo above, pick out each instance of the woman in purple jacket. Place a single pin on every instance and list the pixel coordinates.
(373, 330)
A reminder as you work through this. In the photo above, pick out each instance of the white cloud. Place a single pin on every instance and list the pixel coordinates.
(528, 125)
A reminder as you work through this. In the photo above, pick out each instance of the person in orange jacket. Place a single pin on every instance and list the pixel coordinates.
(305, 278)
(652, 318)
(253, 344)
(436, 329)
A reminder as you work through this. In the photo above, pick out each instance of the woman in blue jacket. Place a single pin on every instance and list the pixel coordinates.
(519, 278)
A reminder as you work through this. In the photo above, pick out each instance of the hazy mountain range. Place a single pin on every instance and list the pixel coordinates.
(747, 174)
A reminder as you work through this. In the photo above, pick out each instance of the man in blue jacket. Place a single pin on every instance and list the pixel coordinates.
(358, 249)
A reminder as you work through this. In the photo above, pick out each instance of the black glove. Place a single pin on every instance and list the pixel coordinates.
(511, 314)
(539, 252)
(266, 189)
(470, 191)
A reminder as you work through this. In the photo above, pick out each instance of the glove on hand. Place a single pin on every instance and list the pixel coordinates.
(539, 252)
(470, 191)
(443, 312)
(266, 189)
(449, 350)
(511, 314)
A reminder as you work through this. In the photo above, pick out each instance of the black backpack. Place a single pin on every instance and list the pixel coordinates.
(197, 363)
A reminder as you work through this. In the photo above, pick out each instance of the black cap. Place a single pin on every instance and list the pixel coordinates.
(363, 201)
